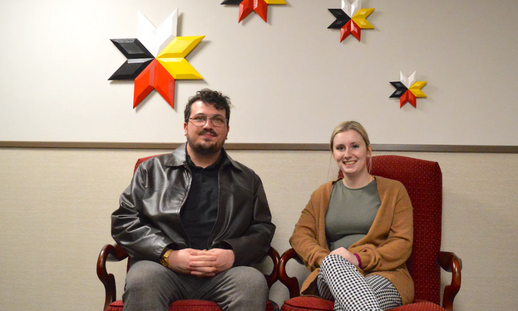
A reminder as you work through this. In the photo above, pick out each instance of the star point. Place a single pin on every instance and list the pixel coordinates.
(341, 19)
(248, 6)
(138, 58)
(173, 57)
(156, 39)
(351, 8)
(155, 76)
(350, 28)
(360, 18)
(416, 89)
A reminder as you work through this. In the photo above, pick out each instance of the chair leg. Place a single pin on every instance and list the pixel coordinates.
(272, 306)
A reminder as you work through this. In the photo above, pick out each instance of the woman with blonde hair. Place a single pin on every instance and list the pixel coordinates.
(355, 234)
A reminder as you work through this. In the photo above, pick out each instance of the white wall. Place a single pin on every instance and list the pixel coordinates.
(55, 207)
(291, 80)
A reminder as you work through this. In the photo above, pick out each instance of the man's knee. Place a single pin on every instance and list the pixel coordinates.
(148, 287)
(145, 274)
(249, 290)
(247, 276)
(151, 279)
(251, 279)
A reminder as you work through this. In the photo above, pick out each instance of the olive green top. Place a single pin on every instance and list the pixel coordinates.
(350, 214)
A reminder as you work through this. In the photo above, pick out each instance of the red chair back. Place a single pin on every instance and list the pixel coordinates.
(423, 181)
(140, 160)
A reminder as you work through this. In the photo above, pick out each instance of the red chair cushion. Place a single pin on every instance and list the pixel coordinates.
(187, 305)
(419, 306)
(115, 306)
(181, 305)
(194, 305)
(307, 303)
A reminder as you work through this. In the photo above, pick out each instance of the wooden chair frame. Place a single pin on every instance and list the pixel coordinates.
(116, 253)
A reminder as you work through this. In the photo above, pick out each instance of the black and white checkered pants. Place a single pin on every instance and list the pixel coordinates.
(340, 281)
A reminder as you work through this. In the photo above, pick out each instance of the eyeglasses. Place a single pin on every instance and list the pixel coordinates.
(201, 120)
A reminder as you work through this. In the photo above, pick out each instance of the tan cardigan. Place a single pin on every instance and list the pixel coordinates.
(384, 250)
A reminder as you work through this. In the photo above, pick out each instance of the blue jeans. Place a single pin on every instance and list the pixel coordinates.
(153, 287)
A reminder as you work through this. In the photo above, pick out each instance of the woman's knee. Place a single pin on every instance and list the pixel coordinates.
(335, 260)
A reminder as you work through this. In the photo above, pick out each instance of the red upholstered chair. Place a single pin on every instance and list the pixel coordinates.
(116, 253)
(423, 181)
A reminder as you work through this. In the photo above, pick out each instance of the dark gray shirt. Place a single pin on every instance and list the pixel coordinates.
(350, 214)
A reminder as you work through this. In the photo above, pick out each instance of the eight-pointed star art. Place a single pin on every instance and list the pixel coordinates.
(407, 89)
(351, 19)
(258, 6)
(156, 59)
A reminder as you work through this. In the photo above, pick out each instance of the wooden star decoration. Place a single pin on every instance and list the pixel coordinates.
(351, 19)
(156, 59)
(258, 6)
(408, 90)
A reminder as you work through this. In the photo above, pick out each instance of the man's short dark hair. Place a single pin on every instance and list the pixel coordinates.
(209, 97)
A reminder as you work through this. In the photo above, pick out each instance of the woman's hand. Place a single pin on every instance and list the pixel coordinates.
(347, 255)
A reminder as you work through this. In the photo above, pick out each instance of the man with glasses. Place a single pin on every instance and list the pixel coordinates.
(195, 220)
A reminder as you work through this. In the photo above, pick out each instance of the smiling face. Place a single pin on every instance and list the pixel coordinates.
(350, 153)
(205, 139)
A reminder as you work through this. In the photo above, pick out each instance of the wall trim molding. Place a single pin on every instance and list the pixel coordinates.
(260, 146)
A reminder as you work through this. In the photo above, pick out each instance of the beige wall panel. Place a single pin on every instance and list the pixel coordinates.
(56, 203)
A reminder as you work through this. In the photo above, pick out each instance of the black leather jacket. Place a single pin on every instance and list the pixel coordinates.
(148, 218)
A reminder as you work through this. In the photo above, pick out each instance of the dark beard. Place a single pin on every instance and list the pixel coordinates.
(205, 150)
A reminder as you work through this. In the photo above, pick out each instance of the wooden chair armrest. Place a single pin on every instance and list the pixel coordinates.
(109, 253)
(291, 282)
(274, 275)
(451, 263)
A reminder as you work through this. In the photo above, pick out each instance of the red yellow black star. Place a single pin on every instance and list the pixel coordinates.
(408, 90)
(351, 19)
